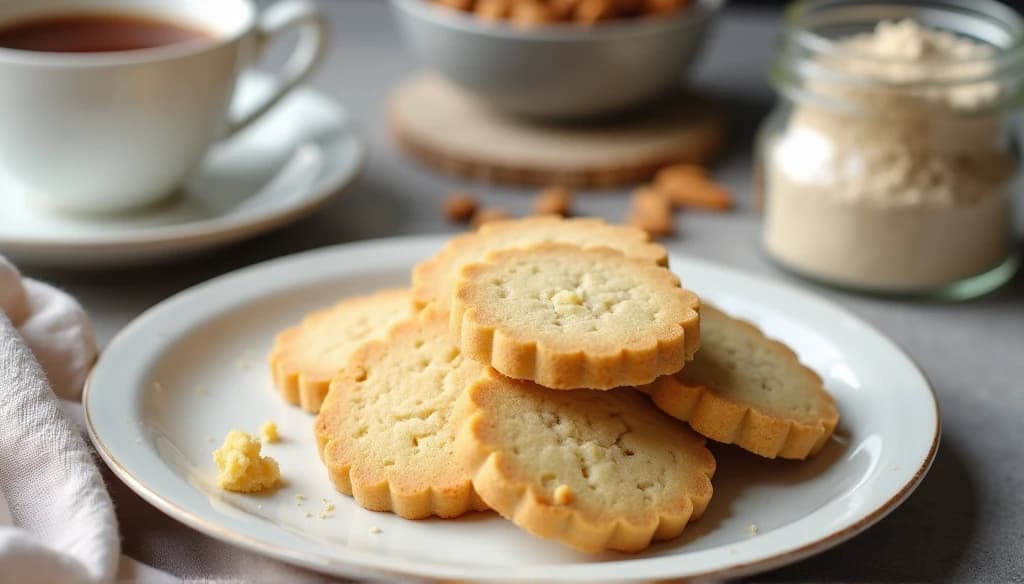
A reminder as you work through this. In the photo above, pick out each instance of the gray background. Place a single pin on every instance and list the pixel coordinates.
(964, 523)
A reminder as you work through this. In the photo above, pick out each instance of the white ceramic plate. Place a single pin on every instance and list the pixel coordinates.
(282, 168)
(184, 373)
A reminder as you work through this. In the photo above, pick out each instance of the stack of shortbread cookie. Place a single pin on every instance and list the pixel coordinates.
(540, 368)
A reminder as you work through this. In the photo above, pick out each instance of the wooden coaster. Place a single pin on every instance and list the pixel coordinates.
(443, 127)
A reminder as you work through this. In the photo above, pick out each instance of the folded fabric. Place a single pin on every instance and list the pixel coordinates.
(54, 327)
(57, 522)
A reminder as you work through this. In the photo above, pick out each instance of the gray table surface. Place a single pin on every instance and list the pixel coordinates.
(964, 523)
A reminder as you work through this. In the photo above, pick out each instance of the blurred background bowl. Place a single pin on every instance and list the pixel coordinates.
(559, 70)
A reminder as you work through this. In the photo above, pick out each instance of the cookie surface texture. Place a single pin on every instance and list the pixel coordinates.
(386, 430)
(434, 279)
(305, 357)
(567, 317)
(746, 389)
(595, 470)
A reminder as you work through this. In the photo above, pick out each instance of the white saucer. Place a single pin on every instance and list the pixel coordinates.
(283, 168)
(171, 384)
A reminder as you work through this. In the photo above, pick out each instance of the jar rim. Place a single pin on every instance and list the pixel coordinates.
(799, 13)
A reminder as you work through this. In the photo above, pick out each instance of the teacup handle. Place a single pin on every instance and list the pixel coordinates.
(273, 22)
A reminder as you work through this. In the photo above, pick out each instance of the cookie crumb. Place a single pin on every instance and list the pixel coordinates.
(752, 529)
(374, 530)
(299, 499)
(308, 514)
(460, 207)
(269, 433)
(553, 201)
(328, 511)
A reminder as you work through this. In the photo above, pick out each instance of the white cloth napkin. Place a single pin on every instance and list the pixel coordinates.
(57, 522)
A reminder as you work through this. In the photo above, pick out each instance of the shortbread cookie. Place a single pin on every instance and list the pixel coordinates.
(567, 317)
(386, 431)
(307, 356)
(593, 469)
(433, 279)
(746, 389)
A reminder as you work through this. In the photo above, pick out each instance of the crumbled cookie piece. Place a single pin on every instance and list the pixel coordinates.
(651, 211)
(241, 467)
(553, 201)
(488, 214)
(460, 207)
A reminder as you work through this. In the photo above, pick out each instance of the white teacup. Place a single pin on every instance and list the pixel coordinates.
(110, 131)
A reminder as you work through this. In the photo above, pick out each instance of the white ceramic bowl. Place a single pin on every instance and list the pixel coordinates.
(557, 71)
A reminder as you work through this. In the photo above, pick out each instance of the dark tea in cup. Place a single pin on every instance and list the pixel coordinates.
(96, 33)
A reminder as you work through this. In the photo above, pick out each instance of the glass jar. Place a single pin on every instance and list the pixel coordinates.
(890, 160)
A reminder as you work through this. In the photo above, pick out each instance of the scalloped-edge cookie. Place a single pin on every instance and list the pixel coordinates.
(595, 470)
(567, 317)
(386, 431)
(746, 389)
(305, 357)
(434, 278)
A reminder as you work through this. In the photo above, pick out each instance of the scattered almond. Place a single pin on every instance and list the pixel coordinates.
(489, 214)
(652, 212)
(553, 201)
(690, 186)
(460, 207)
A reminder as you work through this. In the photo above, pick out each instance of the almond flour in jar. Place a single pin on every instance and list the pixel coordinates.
(889, 163)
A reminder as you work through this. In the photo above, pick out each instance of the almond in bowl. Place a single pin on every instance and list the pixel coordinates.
(558, 59)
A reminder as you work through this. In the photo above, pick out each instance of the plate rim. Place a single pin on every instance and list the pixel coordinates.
(218, 228)
(356, 567)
